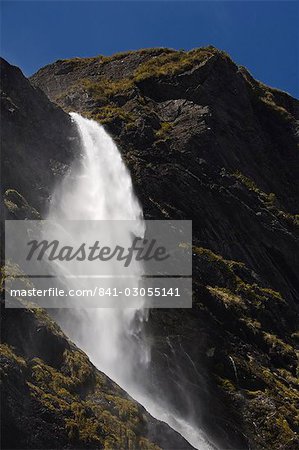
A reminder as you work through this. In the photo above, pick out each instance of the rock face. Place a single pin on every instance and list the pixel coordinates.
(53, 397)
(38, 141)
(195, 123)
(51, 394)
(205, 141)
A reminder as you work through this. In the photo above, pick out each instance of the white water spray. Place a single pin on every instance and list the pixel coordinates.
(99, 187)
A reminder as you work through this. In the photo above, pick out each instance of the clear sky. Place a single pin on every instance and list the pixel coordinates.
(263, 36)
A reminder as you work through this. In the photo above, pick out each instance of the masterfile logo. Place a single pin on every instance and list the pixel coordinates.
(100, 263)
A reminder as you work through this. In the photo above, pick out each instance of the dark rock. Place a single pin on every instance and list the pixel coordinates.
(53, 397)
(205, 141)
(37, 139)
(47, 383)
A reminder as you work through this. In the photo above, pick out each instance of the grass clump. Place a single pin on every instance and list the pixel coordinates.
(109, 113)
(102, 419)
(16, 203)
(77, 366)
(105, 88)
(276, 343)
(220, 265)
(263, 96)
(164, 130)
(142, 52)
(77, 60)
(7, 351)
(248, 182)
(125, 409)
(269, 102)
(269, 199)
(227, 296)
(172, 63)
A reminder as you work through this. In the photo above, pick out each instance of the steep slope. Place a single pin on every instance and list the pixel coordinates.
(200, 97)
(51, 394)
(38, 141)
(53, 397)
(196, 122)
(207, 142)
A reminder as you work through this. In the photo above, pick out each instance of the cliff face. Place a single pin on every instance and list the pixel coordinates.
(38, 141)
(51, 394)
(203, 103)
(205, 141)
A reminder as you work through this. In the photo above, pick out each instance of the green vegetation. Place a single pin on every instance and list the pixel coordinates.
(257, 368)
(17, 204)
(142, 52)
(88, 408)
(163, 132)
(109, 113)
(219, 264)
(269, 102)
(75, 372)
(168, 63)
(104, 91)
(105, 88)
(8, 352)
(277, 343)
(173, 63)
(248, 182)
(273, 398)
(250, 303)
(265, 97)
(269, 200)
(227, 297)
(9, 271)
(78, 61)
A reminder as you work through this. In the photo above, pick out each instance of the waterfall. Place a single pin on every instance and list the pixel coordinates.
(99, 187)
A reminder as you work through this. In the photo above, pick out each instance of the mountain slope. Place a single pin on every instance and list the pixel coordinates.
(51, 394)
(53, 397)
(205, 141)
(38, 139)
(196, 122)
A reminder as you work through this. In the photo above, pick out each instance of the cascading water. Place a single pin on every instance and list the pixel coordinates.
(99, 187)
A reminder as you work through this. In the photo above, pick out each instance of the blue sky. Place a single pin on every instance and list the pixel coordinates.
(262, 35)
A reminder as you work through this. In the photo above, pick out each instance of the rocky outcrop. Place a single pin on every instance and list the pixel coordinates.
(38, 141)
(205, 141)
